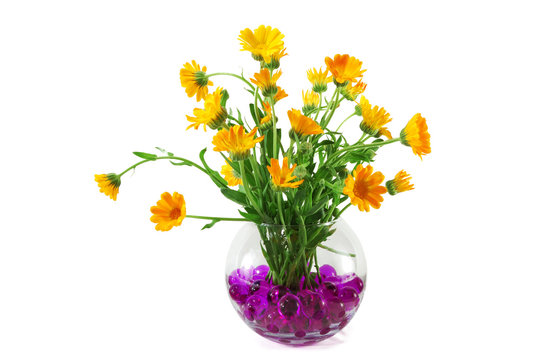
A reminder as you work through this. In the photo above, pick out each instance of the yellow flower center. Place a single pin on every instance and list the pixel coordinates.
(174, 214)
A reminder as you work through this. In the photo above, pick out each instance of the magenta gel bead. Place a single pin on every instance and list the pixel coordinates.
(289, 306)
(349, 297)
(327, 271)
(295, 316)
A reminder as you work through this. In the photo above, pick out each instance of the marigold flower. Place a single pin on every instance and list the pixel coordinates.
(109, 184)
(364, 189)
(280, 94)
(416, 135)
(232, 177)
(266, 122)
(319, 79)
(373, 117)
(262, 43)
(169, 211)
(344, 68)
(213, 115)
(195, 80)
(236, 142)
(302, 125)
(384, 132)
(266, 82)
(282, 177)
(310, 99)
(351, 92)
(400, 183)
(275, 60)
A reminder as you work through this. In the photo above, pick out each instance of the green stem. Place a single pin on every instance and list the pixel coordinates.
(234, 75)
(215, 218)
(341, 211)
(342, 123)
(363, 146)
(188, 162)
(246, 186)
(336, 251)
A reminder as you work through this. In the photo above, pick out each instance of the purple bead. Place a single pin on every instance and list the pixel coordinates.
(328, 290)
(337, 310)
(260, 287)
(276, 293)
(349, 297)
(289, 306)
(255, 307)
(275, 322)
(260, 272)
(238, 292)
(356, 283)
(326, 271)
(300, 325)
(240, 276)
(312, 304)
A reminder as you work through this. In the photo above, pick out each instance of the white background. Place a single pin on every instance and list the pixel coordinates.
(453, 266)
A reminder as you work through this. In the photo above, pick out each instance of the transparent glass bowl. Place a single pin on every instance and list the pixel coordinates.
(309, 293)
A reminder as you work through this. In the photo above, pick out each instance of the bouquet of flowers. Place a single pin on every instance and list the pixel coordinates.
(308, 175)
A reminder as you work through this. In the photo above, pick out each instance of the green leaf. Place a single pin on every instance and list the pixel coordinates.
(235, 196)
(317, 206)
(252, 217)
(210, 224)
(214, 175)
(165, 151)
(145, 156)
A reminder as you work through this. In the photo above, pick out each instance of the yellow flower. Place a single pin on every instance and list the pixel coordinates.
(384, 132)
(236, 142)
(319, 79)
(266, 122)
(262, 43)
(351, 92)
(280, 94)
(303, 125)
(169, 211)
(266, 82)
(231, 176)
(344, 68)
(310, 99)
(363, 188)
(213, 115)
(416, 135)
(400, 183)
(275, 60)
(109, 184)
(195, 80)
(282, 177)
(373, 117)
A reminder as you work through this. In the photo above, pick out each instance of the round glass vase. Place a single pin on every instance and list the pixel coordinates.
(296, 284)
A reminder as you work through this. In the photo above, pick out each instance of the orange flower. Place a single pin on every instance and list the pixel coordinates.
(280, 94)
(169, 211)
(265, 123)
(109, 184)
(416, 135)
(303, 125)
(351, 92)
(400, 183)
(374, 117)
(319, 79)
(236, 142)
(364, 189)
(282, 177)
(266, 82)
(231, 176)
(213, 115)
(344, 68)
(195, 80)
